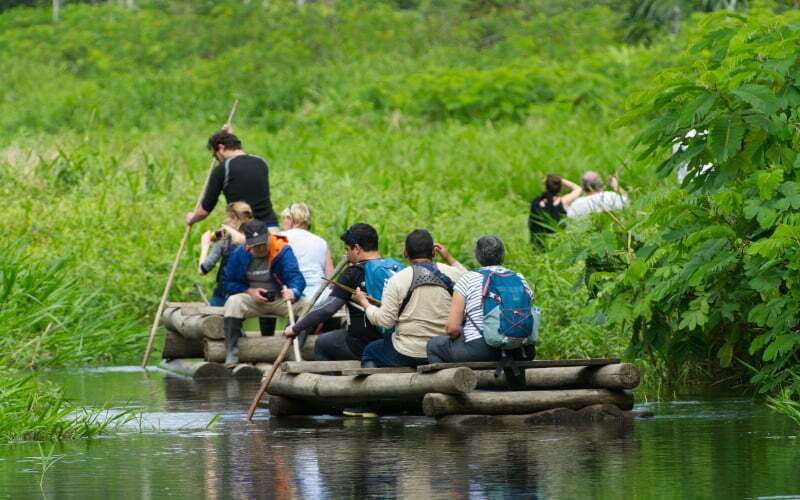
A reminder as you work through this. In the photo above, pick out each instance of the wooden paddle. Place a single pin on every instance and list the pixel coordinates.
(177, 261)
(275, 366)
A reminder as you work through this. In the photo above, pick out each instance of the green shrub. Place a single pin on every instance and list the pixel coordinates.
(713, 271)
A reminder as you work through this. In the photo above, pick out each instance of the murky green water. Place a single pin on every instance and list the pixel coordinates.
(693, 448)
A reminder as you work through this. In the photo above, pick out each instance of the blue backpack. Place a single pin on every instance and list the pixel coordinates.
(509, 319)
(376, 273)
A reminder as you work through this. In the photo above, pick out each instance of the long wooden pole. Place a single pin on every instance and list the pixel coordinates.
(177, 261)
(346, 288)
(275, 365)
(295, 343)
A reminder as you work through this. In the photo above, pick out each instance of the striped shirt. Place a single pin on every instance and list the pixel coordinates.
(470, 286)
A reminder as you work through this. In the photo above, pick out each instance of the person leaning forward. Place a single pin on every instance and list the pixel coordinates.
(239, 176)
(361, 245)
(416, 300)
(260, 277)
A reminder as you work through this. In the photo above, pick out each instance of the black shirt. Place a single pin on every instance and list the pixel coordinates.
(248, 180)
(541, 218)
(361, 331)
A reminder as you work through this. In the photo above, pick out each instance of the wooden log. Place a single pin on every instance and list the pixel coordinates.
(192, 324)
(193, 308)
(197, 370)
(255, 349)
(247, 371)
(284, 406)
(591, 413)
(618, 376)
(378, 386)
(539, 363)
(375, 371)
(319, 366)
(521, 402)
(178, 346)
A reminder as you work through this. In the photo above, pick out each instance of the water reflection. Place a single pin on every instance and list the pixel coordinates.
(727, 448)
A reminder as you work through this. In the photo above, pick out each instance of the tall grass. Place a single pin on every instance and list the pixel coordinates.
(34, 411)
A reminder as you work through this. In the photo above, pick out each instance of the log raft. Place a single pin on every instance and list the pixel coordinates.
(443, 390)
(325, 387)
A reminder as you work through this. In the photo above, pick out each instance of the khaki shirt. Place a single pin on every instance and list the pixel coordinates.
(423, 317)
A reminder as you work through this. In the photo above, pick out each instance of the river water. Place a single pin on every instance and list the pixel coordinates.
(694, 447)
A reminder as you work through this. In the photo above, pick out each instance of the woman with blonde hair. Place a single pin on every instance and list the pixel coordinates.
(312, 252)
(224, 240)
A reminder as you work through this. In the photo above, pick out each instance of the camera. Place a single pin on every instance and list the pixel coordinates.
(218, 235)
(269, 295)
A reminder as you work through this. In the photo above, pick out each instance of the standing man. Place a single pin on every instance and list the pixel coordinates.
(239, 176)
(417, 300)
(261, 277)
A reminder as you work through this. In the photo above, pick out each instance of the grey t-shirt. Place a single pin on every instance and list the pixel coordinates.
(258, 275)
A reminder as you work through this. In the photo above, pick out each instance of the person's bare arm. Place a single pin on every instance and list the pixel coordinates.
(614, 183)
(236, 236)
(205, 243)
(453, 325)
(196, 215)
(574, 193)
(440, 249)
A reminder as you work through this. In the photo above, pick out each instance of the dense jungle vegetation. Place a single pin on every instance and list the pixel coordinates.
(405, 114)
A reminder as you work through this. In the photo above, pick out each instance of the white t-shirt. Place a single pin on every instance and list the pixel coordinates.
(470, 286)
(310, 251)
(600, 202)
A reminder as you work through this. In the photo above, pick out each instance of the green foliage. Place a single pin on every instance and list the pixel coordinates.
(34, 411)
(717, 277)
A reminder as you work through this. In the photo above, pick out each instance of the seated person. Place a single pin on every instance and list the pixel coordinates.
(310, 250)
(465, 324)
(361, 245)
(260, 278)
(416, 300)
(224, 240)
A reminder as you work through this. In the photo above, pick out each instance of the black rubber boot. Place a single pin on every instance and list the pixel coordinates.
(233, 330)
(267, 326)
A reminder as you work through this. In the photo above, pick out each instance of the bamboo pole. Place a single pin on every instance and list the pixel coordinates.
(177, 261)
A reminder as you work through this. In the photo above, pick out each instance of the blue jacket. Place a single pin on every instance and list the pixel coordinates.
(283, 268)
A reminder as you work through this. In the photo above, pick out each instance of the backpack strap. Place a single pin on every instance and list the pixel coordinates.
(426, 274)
